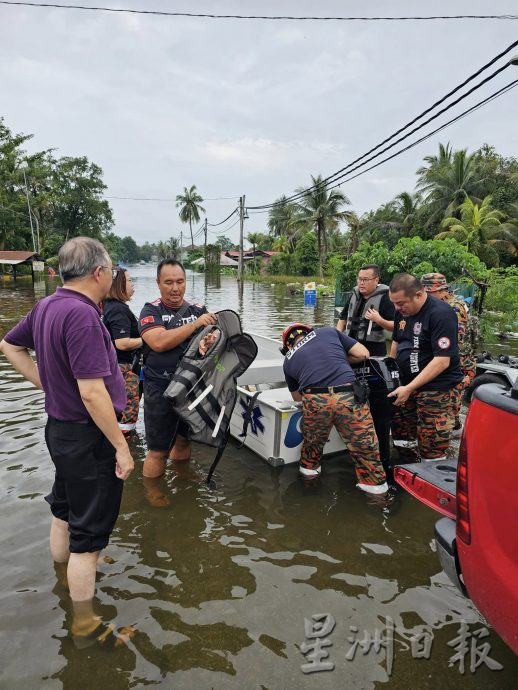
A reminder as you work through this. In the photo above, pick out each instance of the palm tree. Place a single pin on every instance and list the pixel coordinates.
(356, 225)
(448, 180)
(478, 227)
(282, 244)
(254, 238)
(320, 209)
(190, 206)
(173, 245)
(282, 220)
(406, 206)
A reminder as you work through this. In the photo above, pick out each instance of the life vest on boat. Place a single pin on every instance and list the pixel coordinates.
(203, 388)
(367, 331)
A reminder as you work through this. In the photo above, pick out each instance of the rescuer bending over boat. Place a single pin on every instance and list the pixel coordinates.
(318, 373)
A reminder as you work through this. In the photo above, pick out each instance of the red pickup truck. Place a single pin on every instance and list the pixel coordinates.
(477, 541)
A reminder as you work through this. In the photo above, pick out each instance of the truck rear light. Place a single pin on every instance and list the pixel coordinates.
(463, 523)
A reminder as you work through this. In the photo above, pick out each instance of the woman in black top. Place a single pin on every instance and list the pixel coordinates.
(123, 327)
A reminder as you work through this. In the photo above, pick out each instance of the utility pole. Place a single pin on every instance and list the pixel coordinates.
(205, 245)
(30, 212)
(240, 265)
(181, 246)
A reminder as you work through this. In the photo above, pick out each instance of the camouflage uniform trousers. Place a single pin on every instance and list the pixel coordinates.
(129, 415)
(468, 364)
(353, 421)
(421, 429)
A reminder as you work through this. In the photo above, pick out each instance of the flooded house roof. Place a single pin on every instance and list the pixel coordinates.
(17, 257)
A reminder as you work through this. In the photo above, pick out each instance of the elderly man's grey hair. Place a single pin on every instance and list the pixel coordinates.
(80, 256)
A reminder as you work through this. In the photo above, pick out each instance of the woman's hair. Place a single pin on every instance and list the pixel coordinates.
(118, 289)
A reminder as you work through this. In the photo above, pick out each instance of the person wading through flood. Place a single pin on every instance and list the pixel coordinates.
(123, 328)
(425, 347)
(167, 326)
(366, 318)
(84, 391)
(435, 285)
(318, 373)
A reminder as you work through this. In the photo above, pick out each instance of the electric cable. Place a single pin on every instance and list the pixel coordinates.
(214, 225)
(163, 13)
(480, 104)
(335, 175)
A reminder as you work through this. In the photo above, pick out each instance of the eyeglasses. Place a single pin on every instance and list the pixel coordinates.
(113, 270)
(364, 280)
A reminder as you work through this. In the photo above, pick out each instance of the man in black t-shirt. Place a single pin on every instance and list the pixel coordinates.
(167, 326)
(366, 318)
(426, 349)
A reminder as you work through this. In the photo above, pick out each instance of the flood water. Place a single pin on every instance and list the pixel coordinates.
(218, 583)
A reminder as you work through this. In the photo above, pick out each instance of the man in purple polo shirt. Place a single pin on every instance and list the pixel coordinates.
(84, 391)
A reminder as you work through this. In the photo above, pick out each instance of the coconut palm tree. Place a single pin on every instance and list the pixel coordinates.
(282, 220)
(320, 209)
(190, 207)
(254, 238)
(356, 225)
(448, 180)
(406, 206)
(479, 228)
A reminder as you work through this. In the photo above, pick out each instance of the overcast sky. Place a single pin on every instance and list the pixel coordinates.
(241, 106)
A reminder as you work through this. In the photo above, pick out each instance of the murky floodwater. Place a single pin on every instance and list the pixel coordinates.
(218, 583)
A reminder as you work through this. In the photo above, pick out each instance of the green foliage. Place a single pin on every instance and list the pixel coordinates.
(502, 296)
(321, 210)
(412, 255)
(280, 264)
(306, 256)
(225, 243)
(128, 251)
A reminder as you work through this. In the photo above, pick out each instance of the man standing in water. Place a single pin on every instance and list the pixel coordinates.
(366, 318)
(425, 347)
(84, 391)
(167, 326)
(435, 285)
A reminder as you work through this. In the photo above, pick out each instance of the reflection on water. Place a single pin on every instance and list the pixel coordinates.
(218, 583)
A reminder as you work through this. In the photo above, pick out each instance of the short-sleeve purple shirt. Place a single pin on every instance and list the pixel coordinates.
(71, 343)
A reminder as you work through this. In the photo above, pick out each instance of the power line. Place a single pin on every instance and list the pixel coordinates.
(335, 175)
(214, 225)
(480, 104)
(169, 200)
(161, 13)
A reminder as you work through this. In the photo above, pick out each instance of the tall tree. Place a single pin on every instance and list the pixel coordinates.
(282, 220)
(447, 181)
(77, 204)
(190, 207)
(356, 225)
(477, 228)
(407, 206)
(321, 210)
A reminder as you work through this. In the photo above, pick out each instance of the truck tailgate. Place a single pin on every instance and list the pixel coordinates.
(432, 483)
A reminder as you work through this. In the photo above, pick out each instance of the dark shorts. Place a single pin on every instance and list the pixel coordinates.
(161, 422)
(86, 493)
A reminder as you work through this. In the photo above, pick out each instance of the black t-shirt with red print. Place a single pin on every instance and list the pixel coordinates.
(432, 332)
(160, 365)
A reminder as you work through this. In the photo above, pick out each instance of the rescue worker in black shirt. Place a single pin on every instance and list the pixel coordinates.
(366, 318)
(166, 326)
(426, 349)
(123, 328)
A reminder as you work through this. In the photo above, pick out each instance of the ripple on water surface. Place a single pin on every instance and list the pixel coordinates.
(219, 583)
